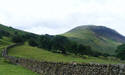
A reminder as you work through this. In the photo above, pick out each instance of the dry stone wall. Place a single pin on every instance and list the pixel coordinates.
(51, 68)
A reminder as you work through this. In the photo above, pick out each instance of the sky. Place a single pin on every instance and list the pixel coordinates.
(59, 16)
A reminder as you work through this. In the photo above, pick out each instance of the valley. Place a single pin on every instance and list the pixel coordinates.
(84, 44)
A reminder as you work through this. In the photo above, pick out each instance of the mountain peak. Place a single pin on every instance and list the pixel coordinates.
(92, 27)
(100, 38)
(102, 31)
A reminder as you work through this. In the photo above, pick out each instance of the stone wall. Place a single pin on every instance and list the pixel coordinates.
(51, 68)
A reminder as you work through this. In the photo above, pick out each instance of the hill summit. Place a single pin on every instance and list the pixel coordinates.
(100, 38)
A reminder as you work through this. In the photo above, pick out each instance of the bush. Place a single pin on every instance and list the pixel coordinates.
(102, 57)
(17, 39)
(4, 33)
(111, 58)
(120, 52)
(85, 56)
(32, 42)
(0, 36)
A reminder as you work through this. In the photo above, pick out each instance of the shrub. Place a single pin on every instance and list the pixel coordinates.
(85, 56)
(120, 52)
(17, 39)
(0, 36)
(32, 42)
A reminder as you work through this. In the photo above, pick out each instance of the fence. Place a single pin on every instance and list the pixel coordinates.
(51, 68)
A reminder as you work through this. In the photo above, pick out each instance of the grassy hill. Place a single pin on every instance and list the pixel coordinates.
(100, 38)
(80, 35)
(7, 68)
(27, 51)
(11, 30)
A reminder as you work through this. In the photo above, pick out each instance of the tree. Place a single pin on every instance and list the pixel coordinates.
(30, 36)
(17, 39)
(4, 33)
(0, 36)
(45, 41)
(33, 42)
(74, 48)
(120, 52)
(88, 50)
(60, 43)
(81, 49)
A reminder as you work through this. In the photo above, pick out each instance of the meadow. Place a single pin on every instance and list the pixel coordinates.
(27, 51)
(7, 68)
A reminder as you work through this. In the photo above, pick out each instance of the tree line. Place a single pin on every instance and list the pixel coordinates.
(3, 33)
(53, 43)
(60, 44)
(120, 52)
(57, 44)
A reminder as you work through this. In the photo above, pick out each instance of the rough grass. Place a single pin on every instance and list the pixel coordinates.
(10, 69)
(87, 37)
(27, 51)
(11, 30)
(4, 42)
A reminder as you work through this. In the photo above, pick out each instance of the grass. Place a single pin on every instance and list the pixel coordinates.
(27, 51)
(4, 42)
(11, 30)
(88, 37)
(10, 69)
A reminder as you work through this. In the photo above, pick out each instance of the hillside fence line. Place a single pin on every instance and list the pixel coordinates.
(59, 68)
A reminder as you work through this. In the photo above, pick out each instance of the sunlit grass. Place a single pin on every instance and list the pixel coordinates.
(11, 69)
(27, 51)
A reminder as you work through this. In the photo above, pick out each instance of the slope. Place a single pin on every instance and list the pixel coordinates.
(11, 30)
(100, 38)
(27, 51)
(7, 68)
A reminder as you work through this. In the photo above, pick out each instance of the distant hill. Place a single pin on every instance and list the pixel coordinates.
(100, 38)
(11, 30)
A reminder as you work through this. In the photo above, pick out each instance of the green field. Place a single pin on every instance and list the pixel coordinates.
(10, 69)
(79, 35)
(27, 51)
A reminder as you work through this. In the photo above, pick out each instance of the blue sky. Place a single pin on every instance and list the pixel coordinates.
(59, 16)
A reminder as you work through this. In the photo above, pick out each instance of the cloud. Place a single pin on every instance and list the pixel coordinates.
(59, 16)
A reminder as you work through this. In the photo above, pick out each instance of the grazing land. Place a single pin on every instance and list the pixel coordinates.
(7, 68)
(27, 51)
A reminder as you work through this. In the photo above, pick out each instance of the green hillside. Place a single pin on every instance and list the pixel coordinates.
(100, 38)
(11, 30)
(27, 51)
(86, 36)
(7, 68)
